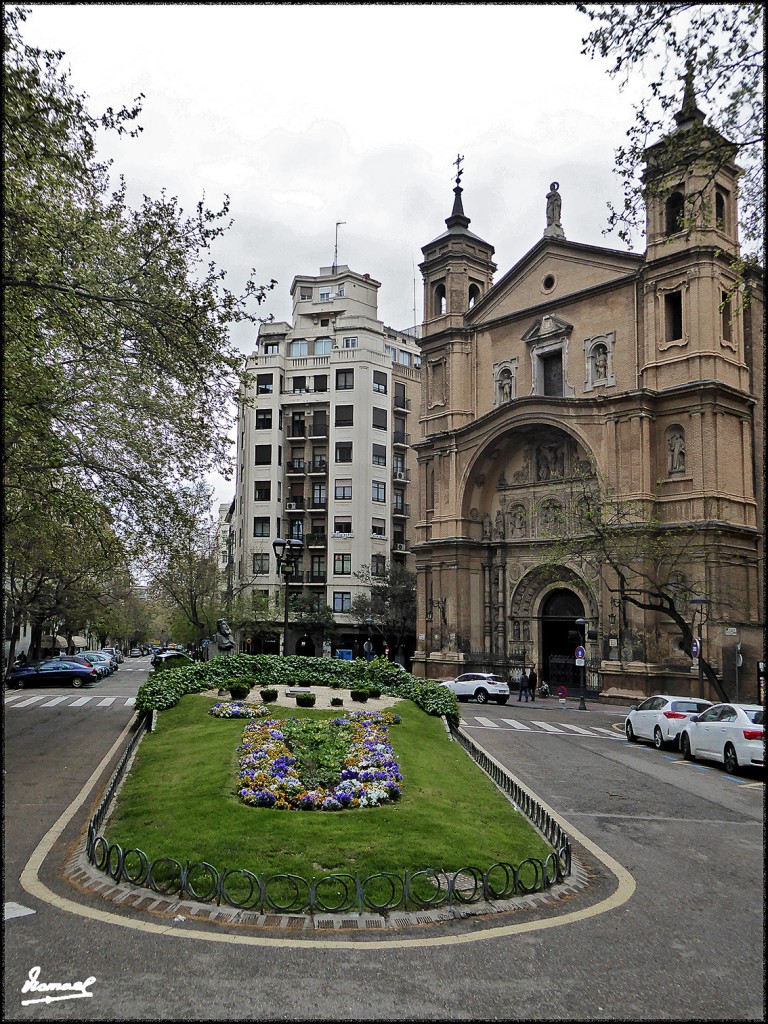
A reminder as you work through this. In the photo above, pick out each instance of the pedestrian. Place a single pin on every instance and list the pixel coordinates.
(523, 687)
(532, 680)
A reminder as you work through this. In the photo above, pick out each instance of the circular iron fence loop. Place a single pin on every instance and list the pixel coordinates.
(138, 878)
(164, 887)
(538, 871)
(440, 895)
(394, 900)
(477, 888)
(100, 854)
(345, 901)
(295, 882)
(551, 870)
(115, 861)
(221, 887)
(507, 889)
(213, 875)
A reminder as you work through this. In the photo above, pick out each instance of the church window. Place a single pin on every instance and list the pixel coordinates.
(726, 314)
(673, 316)
(474, 294)
(674, 213)
(552, 374)
(441, 303)
(720, 210)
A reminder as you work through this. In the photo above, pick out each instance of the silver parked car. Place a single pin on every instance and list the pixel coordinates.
(479, 686)
(661, 718)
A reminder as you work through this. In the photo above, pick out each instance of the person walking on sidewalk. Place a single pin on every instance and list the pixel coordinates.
(532, 681)
(523, 687)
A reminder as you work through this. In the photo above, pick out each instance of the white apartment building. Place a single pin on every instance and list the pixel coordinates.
(324, 448)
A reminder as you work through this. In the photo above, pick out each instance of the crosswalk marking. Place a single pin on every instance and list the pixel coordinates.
(80, 701)
(517, 725)
(576, 729)
(487, 722)
(53, 703)
(105, 703)
(547, 727)
(609, 732)
(31, 700)
(23, 699)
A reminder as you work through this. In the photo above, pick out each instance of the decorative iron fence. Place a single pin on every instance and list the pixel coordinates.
(338, 892)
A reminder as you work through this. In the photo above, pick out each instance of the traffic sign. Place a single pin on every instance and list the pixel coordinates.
(580, 661)
(695, 648)
(580, 652)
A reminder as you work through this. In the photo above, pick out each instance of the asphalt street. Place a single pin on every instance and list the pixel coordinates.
(669, 927)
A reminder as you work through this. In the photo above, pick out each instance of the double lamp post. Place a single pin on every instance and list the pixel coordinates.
(287, 552)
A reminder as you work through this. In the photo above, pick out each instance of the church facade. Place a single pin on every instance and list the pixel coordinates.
(634, 382)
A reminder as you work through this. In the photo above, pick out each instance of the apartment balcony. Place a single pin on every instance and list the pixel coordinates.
(295, 505)
(399, 437)
(318, 467)
(296, 466)
(316, 540)
(401, 404)
(318, 505)
(400, 475)
(317, 431)
(296, 430)
(399, 545)
(311, 578)
(402, 510)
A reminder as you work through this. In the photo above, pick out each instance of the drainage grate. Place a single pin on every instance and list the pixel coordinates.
(324, 924)
(295, 923)
(273, 921)
(374, 923)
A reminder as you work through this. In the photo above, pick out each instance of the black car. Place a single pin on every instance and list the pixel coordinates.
(51, 673)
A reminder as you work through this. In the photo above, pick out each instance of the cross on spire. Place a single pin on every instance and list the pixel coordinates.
(459, 170)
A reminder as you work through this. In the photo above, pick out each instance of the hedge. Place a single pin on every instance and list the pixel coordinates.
(165, 689)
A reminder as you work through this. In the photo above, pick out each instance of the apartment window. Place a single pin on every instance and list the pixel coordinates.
(321, 382)
(325, 295)
(379, 419)
(378, 527)
(264, 384)
(398, 463)
(673, 316)
(378, 565)
(391, 351)
(298, 385)
(342, 600)
(380, 382)
(405, 358)
(340, 291)
(299, 347)
(262, 455)
(342, 565)
(378, 491)
(345, 380)
(319, 495)
(344, 415)
(379, 456)
(317, 563)
(344, 451)
(271, 348)
(349, 343)
(263, 419)
(261, 526)
(262, 490)
(261, 565)
(342, 524)
(305, 294)
(343, 490)
(400, 396)
(297, 529)
(322, 346)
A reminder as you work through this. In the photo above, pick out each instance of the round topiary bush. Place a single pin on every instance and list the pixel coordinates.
(337, 702)
(374, 692)
(359, 695)
(239, 688)
(269, 695)
(305, 700)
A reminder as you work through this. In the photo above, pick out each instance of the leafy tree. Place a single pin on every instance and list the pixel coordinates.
(390, 603)
(314, 616)
(119, 369)
(645, 562)
(720, 49)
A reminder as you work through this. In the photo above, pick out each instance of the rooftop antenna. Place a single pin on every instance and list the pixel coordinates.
(336, 246)
(413, 264)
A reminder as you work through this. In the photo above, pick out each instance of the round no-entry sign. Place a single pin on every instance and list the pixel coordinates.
(580, 652)
(562, 692)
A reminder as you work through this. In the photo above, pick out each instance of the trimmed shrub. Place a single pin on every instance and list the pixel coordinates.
(305, 700)
(239, 688)
(359, 695)
(269, 696)
(337, 702)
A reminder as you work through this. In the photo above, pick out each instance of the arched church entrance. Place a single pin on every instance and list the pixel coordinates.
(559, 612)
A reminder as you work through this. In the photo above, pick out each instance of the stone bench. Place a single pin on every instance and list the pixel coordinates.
(293, 691)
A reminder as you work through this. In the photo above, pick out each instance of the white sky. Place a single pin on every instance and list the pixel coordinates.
(307, 115)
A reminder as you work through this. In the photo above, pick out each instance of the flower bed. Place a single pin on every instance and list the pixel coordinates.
(238, 709)
(352, 755)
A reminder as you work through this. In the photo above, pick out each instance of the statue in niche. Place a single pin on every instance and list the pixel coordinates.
(521, 476)
(506, 386)
(557, 460)
(500, 525)
(676, 449)
(542, 464)
(552, 464)
(516, 630)
(550, 516)
(486, 526)
(517, 521)
(526, 629)
(599, 362)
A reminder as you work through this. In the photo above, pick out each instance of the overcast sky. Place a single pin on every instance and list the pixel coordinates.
(306, 115)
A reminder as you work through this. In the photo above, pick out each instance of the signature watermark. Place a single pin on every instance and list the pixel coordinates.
(71, 989)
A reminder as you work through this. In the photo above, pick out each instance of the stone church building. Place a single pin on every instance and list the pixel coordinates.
(638, 376)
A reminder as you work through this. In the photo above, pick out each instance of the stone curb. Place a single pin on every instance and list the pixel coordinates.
(86, 877)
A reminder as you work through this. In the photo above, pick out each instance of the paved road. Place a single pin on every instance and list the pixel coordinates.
(686, 944)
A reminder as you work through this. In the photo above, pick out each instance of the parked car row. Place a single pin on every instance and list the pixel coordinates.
(730, 733)
(82, 669)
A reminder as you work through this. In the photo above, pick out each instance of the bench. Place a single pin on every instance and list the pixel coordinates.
(293, 691)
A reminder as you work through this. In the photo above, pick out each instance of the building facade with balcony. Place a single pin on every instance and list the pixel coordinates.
(324, 450)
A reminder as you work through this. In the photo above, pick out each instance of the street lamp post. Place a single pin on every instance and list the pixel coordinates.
(368, 646)
(582, 701)
(701, 603)
(287, 553)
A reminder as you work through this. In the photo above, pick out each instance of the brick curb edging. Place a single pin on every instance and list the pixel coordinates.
(81, 874)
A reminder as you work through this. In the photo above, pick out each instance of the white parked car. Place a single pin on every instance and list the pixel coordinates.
(661, 718)
(733, 734)
(480, 686)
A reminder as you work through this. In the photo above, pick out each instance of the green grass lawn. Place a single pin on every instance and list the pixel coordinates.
(180, 800)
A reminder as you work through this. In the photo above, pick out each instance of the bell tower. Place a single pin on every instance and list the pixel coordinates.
(458, 269)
